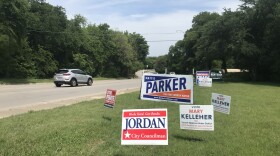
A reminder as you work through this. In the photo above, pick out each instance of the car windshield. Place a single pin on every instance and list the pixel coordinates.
(216, 71)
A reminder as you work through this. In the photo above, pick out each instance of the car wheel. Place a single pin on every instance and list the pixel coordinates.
(58, 85)
(73, 83)
(89, 82)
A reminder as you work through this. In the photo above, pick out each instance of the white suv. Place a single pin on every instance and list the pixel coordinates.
(72, 77)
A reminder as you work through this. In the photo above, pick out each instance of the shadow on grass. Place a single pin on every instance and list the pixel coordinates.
(107, 118)
(186, 138)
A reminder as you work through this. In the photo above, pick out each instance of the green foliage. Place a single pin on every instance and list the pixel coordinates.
(13, 15)
(237, 77)
(140, 46)
(36, 39)
(175, 58)
(150, 62)
(161, 64)
(247, 39)
(23, 65)
(45, 63)
(82, 61)
(217, 64)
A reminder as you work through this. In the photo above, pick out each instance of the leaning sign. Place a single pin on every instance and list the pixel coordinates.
(197, 117)
(163, 87)
(144, 127)
(221, 103)
(110, 98)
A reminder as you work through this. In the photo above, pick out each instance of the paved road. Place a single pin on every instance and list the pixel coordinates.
(15, 99)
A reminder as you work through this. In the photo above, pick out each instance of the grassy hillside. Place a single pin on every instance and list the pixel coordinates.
(87, 128)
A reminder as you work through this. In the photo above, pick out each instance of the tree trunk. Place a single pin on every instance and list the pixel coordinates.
(224, 65)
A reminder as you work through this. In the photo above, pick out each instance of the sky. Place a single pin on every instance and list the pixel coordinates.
(160, 22)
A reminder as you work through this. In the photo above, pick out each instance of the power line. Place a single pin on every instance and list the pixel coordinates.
(63, 32)
(159, 33)
(44, 31)
(163, 41)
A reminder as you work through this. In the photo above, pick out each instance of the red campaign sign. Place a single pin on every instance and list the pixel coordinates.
(144, 127)
(110, 98)
(145, 114)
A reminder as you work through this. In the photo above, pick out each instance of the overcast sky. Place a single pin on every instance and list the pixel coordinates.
(159, 21)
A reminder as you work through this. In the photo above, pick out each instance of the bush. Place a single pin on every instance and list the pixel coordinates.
(241, 76)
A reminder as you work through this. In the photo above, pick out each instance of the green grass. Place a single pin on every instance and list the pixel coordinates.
(87, 128)
(24, 81)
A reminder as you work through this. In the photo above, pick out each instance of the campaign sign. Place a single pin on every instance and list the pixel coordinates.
(221, 103)
(202, 74)
(205, 82)
(163, 87)
(197, 117)
(110, 98)
(144, 127)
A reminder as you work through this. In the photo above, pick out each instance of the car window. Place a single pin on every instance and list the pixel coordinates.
(62, 71)
(75, 71)
(82, 72)
(78, 72)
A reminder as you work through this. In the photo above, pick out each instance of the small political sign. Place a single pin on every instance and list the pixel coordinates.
(221, 103)
(197, 117)
(205, 82)
(202, 74)
(110, 98)
(163, 87)
(144, 127)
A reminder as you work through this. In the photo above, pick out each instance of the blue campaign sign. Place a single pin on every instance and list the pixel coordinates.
(163, 87)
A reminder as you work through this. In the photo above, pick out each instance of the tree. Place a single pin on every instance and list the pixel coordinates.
(47, 37)
(161, 64)
(84, 62)
(13, 15)
(197, 42)
(45, 63)
(123, 58)
(139, 45)
(150, 61)
(261, 17)
(223, 37)
(175, 59)
(36, 38)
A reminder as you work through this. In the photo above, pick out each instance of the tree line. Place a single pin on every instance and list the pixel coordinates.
(36, 39)
(248, 39)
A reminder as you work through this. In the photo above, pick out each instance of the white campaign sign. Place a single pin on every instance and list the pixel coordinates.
(205, 82)
(197, 117)
(221, 103)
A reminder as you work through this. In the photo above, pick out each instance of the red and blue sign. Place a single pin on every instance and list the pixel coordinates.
(110, 98)
(202, 74)
(144, 127)
(162, 87)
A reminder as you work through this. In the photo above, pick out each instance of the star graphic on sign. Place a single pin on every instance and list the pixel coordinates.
(127, 135)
